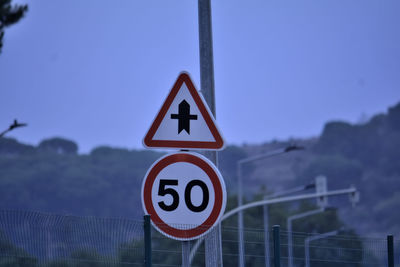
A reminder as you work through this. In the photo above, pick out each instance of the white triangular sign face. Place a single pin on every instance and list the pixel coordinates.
(184, 121)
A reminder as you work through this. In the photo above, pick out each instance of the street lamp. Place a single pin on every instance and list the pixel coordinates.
(266, 215)
(290, 219)
(351, 191)
(240, 190)
(316, 237)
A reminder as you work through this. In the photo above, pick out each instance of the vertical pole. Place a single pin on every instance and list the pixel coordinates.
(390, 250)
(240, 217)
(207, 89)
(206, 54)
(211, 246)
(147, 241)
(277, 247)
(290, 243)
(185, 253)
(220, 243)
(307, 252)
(266, 235)
(49, 244)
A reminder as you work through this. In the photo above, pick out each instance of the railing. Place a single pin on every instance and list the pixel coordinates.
(48, 240)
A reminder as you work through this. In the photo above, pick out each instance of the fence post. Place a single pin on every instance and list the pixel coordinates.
(147, 241)
(185, 253)
(390, 251)
(277, 246)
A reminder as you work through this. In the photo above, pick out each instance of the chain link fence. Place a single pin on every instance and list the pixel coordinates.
(48, 240)
(333, 248)
(38, 239)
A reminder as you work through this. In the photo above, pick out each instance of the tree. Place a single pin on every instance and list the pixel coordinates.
(11, 255)
(9, 15)
(59, 145)
(10, 146)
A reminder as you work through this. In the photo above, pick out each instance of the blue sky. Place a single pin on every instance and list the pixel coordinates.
(98, 71)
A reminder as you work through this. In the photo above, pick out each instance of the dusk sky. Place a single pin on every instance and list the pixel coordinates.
(97, 72)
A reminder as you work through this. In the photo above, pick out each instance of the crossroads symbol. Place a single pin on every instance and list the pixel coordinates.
(184, 120)
(184, 117)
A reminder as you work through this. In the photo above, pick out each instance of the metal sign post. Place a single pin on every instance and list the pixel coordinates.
(185, 253)
(213, 255)
(183, 122)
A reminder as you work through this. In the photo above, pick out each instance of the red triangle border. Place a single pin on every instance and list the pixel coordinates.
(218, 144)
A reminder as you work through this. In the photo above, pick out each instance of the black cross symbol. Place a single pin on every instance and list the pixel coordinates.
(184, 117)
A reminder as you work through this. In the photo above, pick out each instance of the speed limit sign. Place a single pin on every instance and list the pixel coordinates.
(185, 195)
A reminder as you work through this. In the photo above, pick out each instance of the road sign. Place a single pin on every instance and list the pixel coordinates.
(185, 195)
(184, 121)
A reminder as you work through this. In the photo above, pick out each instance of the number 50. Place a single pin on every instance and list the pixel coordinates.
(162, 191)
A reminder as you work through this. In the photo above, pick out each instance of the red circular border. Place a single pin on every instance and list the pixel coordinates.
(218, 192)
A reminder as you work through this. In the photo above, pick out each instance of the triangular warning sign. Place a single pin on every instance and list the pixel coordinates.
(184, 121)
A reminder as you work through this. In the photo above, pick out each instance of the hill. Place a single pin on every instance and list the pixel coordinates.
(52, 177)
(365, 155)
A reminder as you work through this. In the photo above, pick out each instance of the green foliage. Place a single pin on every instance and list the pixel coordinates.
(344, 251)
(375, 144)
(54, 178)
(278, 214)
(9, 15)
(228, 159)
(337, 168)
(12, 256)
(393, 118)
(319, 223)
(87, 258)
(367, 156)
(58, 263)
(58, 145)
(388, 206)
(103, 183)
(337, 138)
(11, 147)
(131, 252)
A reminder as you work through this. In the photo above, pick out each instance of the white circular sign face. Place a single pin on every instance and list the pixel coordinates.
(185, 195)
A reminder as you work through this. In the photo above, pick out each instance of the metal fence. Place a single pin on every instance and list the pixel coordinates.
(332, 249)
(38, 239)
(48, 240)
(335, 248)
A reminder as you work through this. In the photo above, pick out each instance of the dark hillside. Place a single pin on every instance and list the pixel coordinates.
(365, 155)
(52, 177)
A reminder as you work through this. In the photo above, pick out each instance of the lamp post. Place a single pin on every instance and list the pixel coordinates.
(266, 215)
(240, 191)
(290, 219)
(312, 238)
(347, 191)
